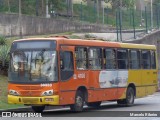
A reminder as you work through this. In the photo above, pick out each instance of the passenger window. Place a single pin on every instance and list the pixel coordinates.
(81, 58)
(146, 59)
(122, 59)
(110, 59)
(95, 58)
(153, 60)
(66, 64)
(134, 61)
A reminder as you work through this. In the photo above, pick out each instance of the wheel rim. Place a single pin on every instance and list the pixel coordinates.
(79, 101)
(130, 97)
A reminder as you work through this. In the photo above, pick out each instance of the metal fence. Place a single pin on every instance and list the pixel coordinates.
(138, 22)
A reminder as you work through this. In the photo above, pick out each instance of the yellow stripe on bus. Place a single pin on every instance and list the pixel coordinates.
(137, 46)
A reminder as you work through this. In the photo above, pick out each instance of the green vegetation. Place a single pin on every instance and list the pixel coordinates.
(63, 9)
(2, 40)
(3, 94)
(85, 12)
(4, 57)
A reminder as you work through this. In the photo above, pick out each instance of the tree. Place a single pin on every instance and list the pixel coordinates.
(4, 60)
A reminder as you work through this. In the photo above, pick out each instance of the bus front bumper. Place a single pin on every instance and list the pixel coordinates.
(44, 100)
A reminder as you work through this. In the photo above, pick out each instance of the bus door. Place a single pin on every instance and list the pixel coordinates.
(66, 74)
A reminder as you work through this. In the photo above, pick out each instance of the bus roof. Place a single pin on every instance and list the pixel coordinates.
(98, 43)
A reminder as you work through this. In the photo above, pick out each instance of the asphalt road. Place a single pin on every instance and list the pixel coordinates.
(144, 109)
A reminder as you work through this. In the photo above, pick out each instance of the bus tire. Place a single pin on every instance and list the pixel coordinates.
(79, 102)
(129, 98)
(130, 95)
(38, 109)
(94, 104)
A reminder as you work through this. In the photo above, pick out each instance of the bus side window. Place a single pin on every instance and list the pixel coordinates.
(95, 58)
(146, 61)
(66, 64)
(153, 60)
(110, 59)
(81, 58)
(134, 61)
(122, 59)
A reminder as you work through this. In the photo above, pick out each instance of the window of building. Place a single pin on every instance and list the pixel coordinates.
(122, 59)
(110, 59)
(146, 61)
(81, 58)
(95, 58)
(134, 61)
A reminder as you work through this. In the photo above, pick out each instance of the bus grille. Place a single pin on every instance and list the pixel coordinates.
(30, 87)
(30, 100)
(30, 93)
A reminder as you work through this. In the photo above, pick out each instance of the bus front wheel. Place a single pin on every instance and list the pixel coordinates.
(38, 109)
(79, 102)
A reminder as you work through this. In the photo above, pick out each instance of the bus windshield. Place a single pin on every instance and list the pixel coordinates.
(33, 65)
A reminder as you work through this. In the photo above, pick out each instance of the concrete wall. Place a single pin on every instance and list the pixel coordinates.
(9, 25)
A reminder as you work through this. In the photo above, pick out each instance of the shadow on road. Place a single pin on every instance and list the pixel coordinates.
(102, 111)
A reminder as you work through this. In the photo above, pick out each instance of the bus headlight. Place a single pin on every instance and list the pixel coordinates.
(13, 92)
(47, 93)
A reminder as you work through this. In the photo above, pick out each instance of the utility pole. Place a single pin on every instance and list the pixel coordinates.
(151, 15)
(141, 10)
(103, 11)
(47, 14)
(97, 11)
(36, 7)
(120, 20)
(71, 2)
(146, 20)
(9, 9)
(20, 20)
(67, 3)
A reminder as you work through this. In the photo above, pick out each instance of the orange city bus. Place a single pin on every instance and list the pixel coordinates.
(73, 72)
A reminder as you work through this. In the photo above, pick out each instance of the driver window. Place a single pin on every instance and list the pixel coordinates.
(66, 64)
